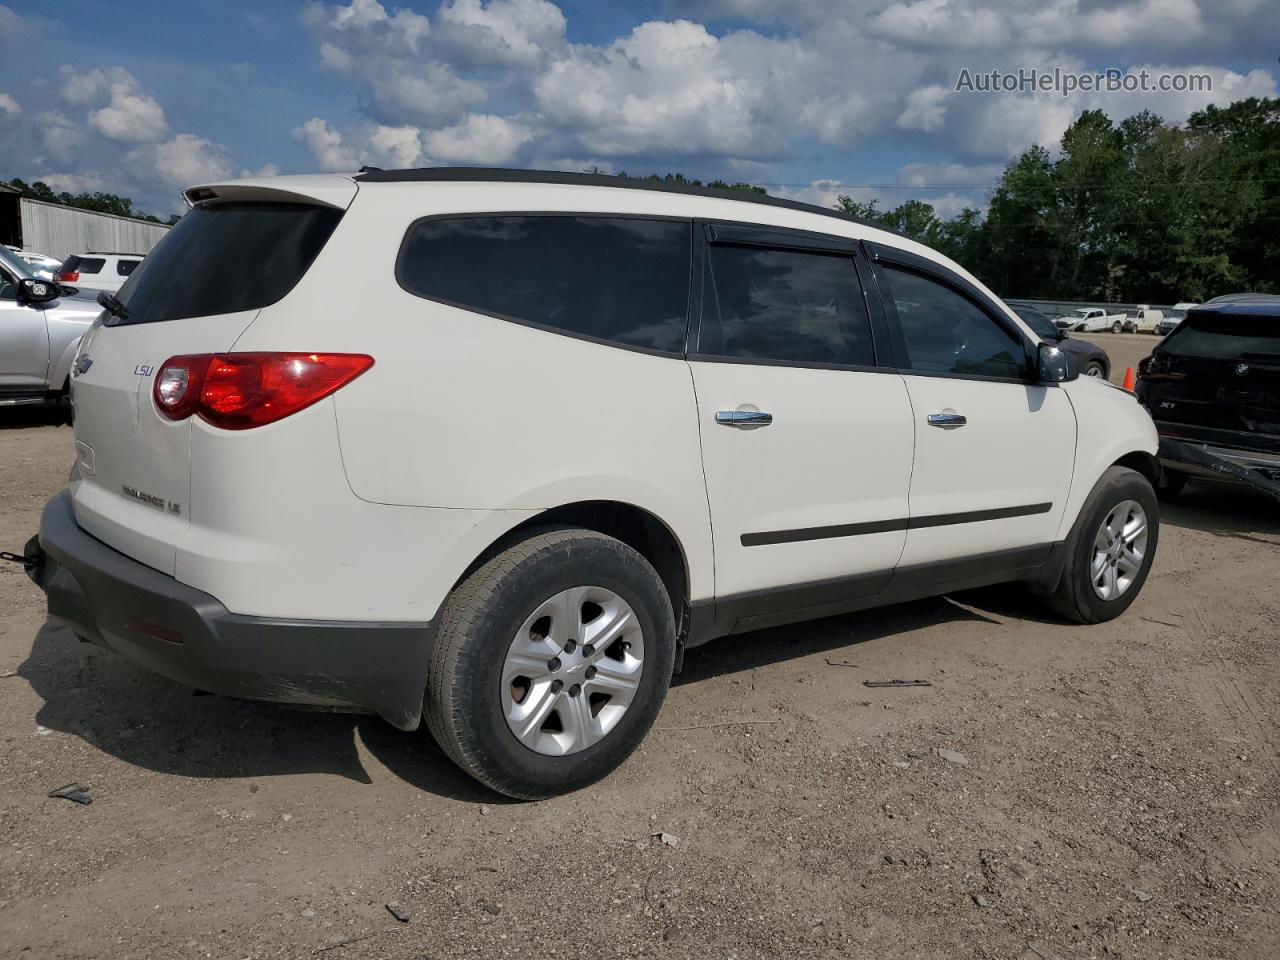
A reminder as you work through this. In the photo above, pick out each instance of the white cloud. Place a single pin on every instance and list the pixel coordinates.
(925, 110)
(479, 139)
(327, 146)
(87, 181)
(185, 160)
(59, 135)
(399, 146)
(518, 32)
(130, 115)
(9, 106)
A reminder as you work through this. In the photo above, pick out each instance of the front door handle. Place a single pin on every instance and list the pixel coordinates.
(743, 418)
(947, 421)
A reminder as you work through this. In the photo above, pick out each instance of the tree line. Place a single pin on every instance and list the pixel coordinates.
(1139, 211)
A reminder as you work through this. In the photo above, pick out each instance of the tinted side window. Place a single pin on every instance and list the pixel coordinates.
(83, 265)
(612, 278)
(947, 333)
(8, 286)
(125, 267)
(785, 305)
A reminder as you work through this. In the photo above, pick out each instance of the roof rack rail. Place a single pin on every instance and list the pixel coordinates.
(507, 175)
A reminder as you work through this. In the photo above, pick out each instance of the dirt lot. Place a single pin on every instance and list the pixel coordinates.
(1118, 799)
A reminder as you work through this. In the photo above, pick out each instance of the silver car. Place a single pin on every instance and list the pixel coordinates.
(40, 327)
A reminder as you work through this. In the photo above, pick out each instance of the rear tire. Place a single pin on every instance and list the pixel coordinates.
(1117, 327)
(494, 619)
(1078, 596)
(1095, 369)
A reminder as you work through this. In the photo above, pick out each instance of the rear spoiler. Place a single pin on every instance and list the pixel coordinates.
(329, 190)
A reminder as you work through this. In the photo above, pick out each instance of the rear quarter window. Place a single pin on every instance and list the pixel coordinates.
(125, 267)
(619, 279)
(227, 257)
(83, 265)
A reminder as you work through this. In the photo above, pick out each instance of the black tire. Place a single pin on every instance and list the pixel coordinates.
(66, 412)
(1095, 369)
(1117, 327)
(480, 618)
(1171, 485)
(1074, 598)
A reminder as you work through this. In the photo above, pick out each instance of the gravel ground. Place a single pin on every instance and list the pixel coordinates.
(1109, 791)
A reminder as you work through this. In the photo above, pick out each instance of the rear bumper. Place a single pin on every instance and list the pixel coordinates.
(187, 635)
(1256, 468)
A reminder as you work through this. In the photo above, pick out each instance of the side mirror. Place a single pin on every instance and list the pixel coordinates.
(1057, 366)
(34, 290)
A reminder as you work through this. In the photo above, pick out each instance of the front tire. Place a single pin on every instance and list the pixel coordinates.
(551, 662)
(1109, 550)
(1095, 369)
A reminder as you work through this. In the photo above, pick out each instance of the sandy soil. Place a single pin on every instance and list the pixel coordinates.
(1118, 799)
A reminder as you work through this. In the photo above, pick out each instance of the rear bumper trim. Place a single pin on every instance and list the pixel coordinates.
(187, 635)
(1258, 469)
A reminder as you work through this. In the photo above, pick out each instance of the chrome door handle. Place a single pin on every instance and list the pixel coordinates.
(743, 418)
(947, 421)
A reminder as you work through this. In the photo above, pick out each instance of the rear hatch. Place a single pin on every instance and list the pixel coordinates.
(1217, 378)
(195, 293)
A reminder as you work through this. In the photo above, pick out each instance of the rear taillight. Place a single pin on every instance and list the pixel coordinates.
(237, 391)
(1156, 367)
(70, 276)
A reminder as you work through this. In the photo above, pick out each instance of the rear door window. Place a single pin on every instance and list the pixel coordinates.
(227, 257)
(785, 306)
(619, 279)
(1214, 336)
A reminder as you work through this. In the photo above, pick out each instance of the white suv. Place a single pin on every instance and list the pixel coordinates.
(99, 271)
(496, 447)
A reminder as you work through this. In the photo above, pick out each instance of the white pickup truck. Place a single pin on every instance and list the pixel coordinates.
(1092, 320)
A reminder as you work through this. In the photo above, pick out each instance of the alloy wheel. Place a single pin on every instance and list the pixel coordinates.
(1118, 550)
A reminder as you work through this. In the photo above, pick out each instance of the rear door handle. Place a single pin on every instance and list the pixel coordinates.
(743, 418)
(947, 421)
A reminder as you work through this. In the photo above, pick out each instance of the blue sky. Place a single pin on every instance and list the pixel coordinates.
(811, 99)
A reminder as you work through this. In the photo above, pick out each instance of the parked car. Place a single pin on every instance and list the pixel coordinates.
(557, 449)
(1213, 388)
(1174, 317)
(1092, 320)
(41, 265)
(1093, 360)
(40, 328)
(99, 271)
(1145, 320)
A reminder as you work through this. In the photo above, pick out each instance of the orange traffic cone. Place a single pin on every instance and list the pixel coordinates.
(1128, 379)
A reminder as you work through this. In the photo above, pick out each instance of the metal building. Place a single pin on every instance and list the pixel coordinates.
(59, 231)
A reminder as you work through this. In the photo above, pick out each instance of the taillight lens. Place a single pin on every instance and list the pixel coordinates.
(71, 276)
(237, 391)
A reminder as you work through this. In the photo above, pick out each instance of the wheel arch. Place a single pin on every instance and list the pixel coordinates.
(1143, 462)
(635, 526)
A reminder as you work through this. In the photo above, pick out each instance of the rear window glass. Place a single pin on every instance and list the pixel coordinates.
(610, 278)
(1224, 336)
(125, 267)
(226, 257)
(83, 265)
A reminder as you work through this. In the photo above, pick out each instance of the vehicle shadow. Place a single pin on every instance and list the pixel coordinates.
(1224, 510)
(747, 651)
(153, 723)
(36, 415)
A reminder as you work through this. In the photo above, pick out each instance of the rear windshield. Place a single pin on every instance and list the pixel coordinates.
(83, 265)
(227, 257)
(1218, 336)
